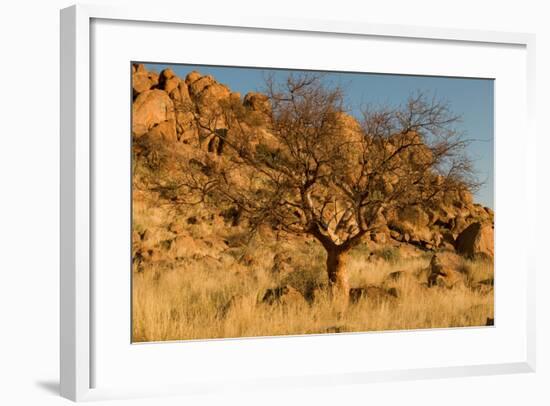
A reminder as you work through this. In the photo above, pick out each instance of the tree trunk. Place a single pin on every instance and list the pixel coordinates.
(337, 273)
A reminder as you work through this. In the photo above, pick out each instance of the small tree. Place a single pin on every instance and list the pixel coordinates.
(309, 168)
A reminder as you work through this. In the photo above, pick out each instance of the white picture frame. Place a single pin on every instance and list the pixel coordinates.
(77, 283)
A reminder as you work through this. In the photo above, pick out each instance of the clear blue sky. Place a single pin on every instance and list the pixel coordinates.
(472, 99)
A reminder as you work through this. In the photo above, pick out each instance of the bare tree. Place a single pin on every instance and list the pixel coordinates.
(309, 168)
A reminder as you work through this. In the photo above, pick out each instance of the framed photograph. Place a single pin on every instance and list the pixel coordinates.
(258, 203)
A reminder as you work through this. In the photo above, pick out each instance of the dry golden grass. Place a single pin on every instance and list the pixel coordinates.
(189, 298)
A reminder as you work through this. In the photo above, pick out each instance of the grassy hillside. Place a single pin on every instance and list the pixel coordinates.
(206, 283)
(420, 250)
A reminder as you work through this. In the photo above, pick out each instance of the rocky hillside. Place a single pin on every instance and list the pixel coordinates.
(169, 115)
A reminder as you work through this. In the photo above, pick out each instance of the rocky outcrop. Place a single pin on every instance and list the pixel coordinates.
(439, 225)
(168, 106)
(175, 110)
(412, 223)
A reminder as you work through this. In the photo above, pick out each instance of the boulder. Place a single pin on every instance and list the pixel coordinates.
(185, 126)
(460, 223)
(143, 80)
(176, 228)
(257, 102)
(446, 271)
(168, 81)
(138, 67)
(476, 239)
(412, 223)
(150, 108)
(212, 94)
(415, 216)
(443, 215)
(396, 235)
(180, 95)
(206, 92)
(192, 77)
(165, 131)
(198, 85)
(170, 85)
(416, 153)
(437, 239)
(167, 73)
(282, 295)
